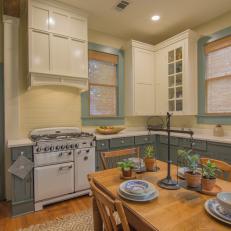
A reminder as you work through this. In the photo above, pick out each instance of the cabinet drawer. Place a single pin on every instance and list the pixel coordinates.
(102, 145)
(121, 142)
(173, 140)
(144, 139)
(197, 144)
(25, 150)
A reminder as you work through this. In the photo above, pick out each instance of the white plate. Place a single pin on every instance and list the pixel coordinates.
(150, 189)
(213, 213)
(151, 197)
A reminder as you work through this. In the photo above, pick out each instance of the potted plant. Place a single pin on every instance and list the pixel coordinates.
(208, 175)
(149, 159)
(192, 175)
(126, 167)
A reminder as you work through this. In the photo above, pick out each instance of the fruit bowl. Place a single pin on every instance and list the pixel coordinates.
(109, 130)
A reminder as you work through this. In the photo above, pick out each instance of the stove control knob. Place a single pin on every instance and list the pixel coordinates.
(62, 146)
(46, 149)
(72, 146)
(52, 148)
(76, 145)
(57, 147)
(38, 149)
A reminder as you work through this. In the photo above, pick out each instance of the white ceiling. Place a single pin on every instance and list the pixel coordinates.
(134, 22)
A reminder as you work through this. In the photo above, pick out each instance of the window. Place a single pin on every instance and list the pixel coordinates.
(103, 103)
(102, 84)
(218, 76)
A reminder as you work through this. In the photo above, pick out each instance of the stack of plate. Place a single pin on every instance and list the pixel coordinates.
(137, 190)
(213, 207)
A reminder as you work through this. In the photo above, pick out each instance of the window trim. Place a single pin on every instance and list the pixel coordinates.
(203, 117)
(88, 120)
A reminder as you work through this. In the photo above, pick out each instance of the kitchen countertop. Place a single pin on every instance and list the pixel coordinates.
(19, 142)
(199, 134)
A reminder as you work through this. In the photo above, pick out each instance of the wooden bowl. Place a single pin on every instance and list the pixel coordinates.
(109, 131)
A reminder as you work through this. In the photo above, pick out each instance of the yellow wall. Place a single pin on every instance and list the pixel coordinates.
(60, 106)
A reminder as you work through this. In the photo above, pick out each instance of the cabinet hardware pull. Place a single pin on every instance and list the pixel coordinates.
(60, 154)
(122, 141)
(65, 167)
(102, 144)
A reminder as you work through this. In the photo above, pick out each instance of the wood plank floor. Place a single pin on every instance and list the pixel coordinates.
(7, 223)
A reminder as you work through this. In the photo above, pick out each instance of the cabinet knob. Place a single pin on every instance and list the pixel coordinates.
(122, 142)
(22, 153)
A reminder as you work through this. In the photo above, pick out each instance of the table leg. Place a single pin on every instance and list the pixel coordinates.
(97, 221)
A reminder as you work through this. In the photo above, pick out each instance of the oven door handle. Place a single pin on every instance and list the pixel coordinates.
(65, 167)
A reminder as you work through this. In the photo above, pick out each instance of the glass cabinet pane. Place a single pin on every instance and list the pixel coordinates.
(179, 53)
(171, 56)
(178, 79)
(178, 66)
(171, 68)
(179, 105)
(171, 105)
(179, 92)
(171, 81)
(171, 93)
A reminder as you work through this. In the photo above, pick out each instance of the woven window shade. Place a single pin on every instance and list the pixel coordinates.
(104, 57)
(218, 76)
(103, 84)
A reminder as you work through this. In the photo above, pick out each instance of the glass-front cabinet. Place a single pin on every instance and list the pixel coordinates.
(175, 79)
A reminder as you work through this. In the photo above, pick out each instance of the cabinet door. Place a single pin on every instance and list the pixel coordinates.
(78, 58)
(39, 17)
(144, 99)
(161, 83)
(60, 55)
(59, 22)
(143, 66)
(39, 51)
(78, 27)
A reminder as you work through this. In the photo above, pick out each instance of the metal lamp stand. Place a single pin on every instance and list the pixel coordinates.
(168, 182)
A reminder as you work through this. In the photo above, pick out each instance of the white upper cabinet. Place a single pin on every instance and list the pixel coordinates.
(40, 61)
(39, 17)
(58, 47)
(176, 75)
(139, 79)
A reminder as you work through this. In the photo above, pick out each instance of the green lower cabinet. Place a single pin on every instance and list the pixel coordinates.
(22, 189)
(121, 143)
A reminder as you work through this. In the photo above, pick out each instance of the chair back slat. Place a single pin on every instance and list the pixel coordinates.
(223, 166)
(107, 209)
(107, 157)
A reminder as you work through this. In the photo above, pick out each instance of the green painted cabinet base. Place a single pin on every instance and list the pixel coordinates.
(21, 208)
(22, 189)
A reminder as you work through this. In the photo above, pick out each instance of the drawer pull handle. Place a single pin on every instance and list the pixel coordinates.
(145, 139)
(102, 144)
(85, 158)
(65, 168)
(122, 142)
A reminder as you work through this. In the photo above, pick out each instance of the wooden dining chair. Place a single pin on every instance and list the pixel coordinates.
(130, 152)
(109, 209)
(223, 166)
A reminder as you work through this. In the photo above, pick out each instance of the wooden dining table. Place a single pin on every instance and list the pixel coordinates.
(173, 210)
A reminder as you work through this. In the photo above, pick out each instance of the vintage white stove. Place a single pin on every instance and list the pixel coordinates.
(63, 157)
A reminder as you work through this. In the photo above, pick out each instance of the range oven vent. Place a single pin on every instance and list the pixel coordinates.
(121, 5)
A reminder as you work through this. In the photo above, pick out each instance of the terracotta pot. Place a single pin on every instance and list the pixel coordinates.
(149, 163)
(208, 184)
(193, 180)
(127, 173)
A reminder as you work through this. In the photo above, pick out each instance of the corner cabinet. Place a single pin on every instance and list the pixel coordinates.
(58, 47)
(176, 75)
(139, 79)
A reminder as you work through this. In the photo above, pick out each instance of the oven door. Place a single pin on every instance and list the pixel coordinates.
(53, 181)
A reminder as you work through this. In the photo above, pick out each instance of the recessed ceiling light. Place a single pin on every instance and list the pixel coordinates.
(155, 18)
